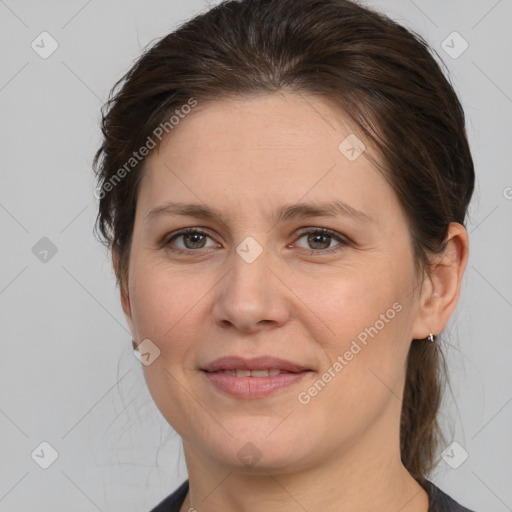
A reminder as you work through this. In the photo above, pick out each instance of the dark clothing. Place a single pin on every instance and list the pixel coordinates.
(441, 502)
(438, 500)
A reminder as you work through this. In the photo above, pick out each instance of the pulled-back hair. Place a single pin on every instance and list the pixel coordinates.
(383, 77)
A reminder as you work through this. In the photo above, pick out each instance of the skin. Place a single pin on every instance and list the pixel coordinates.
(248, 157)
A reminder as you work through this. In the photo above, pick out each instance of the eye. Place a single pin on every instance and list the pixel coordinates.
(320, 239)
(191, 238)
(317, 240)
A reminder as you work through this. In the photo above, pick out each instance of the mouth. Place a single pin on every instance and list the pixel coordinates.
(254, 364)
(251, 378)
(253, 373)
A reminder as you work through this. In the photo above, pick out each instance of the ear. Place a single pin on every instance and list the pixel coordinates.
(125, 297)
(441, 288)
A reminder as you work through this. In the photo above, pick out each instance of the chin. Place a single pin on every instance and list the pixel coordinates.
(259, 449)
(254, 458)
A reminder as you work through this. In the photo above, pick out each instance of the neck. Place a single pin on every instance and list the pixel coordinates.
(368, 476)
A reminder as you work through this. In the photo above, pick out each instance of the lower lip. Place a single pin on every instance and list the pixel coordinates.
(253, 387)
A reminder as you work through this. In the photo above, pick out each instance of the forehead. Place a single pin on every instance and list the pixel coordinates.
(270, 148)
(282, 120)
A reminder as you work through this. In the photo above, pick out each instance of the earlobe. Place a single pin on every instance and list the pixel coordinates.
(443, 283)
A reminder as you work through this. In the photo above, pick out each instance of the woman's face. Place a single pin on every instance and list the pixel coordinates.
(256, 278)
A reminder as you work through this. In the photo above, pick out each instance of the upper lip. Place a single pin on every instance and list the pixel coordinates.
(253, 363)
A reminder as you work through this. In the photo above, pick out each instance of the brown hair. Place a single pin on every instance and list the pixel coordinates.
(384, 78)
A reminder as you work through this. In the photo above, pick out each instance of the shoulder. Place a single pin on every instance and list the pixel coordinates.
(440, 501)
(173, 502)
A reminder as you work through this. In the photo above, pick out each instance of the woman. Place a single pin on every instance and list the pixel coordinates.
(283, 185)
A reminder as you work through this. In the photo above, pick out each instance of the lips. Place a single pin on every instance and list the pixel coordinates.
(253, 378)
(256, 364)
(254, 373)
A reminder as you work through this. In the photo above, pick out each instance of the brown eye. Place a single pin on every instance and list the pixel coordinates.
(188, 240)
(194, 240)
(321, 239)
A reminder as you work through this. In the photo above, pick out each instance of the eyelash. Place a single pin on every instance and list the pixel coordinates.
(343, 241)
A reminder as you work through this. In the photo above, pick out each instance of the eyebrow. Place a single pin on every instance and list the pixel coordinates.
(288, 212)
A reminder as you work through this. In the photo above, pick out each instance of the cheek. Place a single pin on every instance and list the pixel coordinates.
(161, 300)
(163, 308)
(352, 301)
(366, 345)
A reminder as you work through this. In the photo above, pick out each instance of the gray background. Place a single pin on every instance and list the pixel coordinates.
(68, 375)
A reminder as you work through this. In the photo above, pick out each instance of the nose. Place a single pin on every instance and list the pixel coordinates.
(251, 296)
